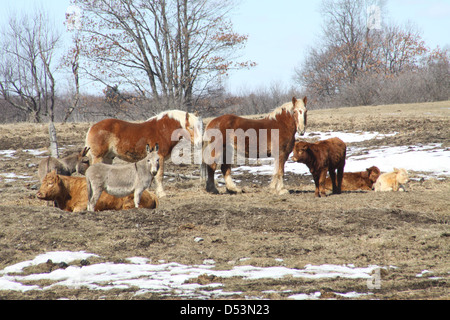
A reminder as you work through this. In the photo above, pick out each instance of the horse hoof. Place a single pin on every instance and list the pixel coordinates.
(282, 192)
(234, 190)
(212, 190)
(161, 194)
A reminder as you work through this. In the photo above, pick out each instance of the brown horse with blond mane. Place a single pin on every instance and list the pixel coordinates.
(112, 138)
(287, 120)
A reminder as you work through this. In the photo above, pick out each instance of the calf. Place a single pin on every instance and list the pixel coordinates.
(392, 181)
(122, 180)
(70, 194)
(320, 157)
(77, 162)
(351, 181)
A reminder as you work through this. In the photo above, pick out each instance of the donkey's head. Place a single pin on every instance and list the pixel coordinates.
(82, 161)
(152, 159)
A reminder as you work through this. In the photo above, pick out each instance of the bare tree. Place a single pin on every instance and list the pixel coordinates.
(27, 49)
(166, 50)
(353, 58)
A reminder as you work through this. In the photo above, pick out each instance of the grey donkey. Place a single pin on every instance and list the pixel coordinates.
(76, 162)
(122, 180)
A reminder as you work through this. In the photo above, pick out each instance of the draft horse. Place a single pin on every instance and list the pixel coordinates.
(112, 138)
(288, 119)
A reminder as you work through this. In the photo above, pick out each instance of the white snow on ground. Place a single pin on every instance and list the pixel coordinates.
(432, 159)
(7, 154)
(164, 278)
(171, 278)
(347, 137)
(10, 176)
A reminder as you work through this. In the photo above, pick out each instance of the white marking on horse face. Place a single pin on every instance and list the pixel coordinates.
(300, 120)
(198, 138)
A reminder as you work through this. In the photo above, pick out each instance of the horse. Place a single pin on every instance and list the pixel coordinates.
(112, 138)
(286, 121)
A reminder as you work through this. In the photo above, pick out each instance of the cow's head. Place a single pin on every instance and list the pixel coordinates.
(300, 152)
(50, 187)
(373, 173)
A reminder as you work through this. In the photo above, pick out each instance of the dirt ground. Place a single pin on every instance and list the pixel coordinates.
(408, 230)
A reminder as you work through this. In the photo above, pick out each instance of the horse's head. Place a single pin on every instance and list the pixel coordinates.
(300, 114)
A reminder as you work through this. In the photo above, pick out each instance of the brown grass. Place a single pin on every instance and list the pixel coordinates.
(408, 230)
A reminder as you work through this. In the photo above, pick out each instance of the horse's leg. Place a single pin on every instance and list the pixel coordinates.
(277, 182)
(275, 176)
(230, 185)
(102, 157)
(210, 184)
(159, 178)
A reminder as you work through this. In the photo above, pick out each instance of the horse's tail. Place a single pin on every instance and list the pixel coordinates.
(212, 145)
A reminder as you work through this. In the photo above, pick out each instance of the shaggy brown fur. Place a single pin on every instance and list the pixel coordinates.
(362, 180)
(320, 157)
(70, 194)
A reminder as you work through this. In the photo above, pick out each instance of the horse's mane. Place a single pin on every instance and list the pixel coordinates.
(288, 107)
(178, 115)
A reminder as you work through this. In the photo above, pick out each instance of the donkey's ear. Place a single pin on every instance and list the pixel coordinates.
(156, 147)
(85, 151)
(294, 100)
(147, 148)
(305, 100)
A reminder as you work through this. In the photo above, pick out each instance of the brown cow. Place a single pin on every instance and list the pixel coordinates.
(320, 157)
(70, 194)
(76, 162)
(362, 180)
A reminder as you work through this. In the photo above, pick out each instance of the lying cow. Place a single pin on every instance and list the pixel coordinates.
(320, 157)
(77, 162)
(362, 180)
(392, 181)
(122, 180)
(70, 194)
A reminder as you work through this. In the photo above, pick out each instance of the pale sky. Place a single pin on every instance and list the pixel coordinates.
(280, 32)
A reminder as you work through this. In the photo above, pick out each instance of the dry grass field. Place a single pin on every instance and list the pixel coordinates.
(404, 232)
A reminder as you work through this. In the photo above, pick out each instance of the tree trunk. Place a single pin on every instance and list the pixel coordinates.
(53, 141)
